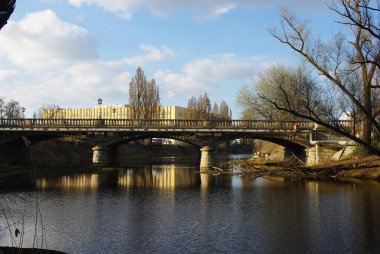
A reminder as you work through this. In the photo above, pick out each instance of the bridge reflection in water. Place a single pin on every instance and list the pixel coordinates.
(158, 176)
(166, 173)
(167, 176)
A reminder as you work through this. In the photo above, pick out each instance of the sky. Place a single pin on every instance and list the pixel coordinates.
(72, 52)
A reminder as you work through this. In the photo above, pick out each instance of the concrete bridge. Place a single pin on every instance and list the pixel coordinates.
(301, 138)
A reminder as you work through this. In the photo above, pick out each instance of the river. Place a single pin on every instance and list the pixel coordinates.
(167, 207)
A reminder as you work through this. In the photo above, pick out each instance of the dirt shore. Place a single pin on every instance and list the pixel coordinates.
(366, 168)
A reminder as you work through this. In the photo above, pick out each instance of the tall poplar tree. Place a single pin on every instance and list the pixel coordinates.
(144, 97)
(200, 109)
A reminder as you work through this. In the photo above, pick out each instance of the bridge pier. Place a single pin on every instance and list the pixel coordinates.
(317, 154)
(100, 156)
(207, 157)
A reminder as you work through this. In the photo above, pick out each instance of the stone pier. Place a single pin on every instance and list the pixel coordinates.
(317, 154)
(207, 157)
(100, 156)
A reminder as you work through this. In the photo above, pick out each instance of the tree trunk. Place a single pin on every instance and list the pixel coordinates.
(367, 124)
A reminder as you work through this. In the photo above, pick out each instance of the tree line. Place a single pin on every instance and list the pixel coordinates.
(347, 82)
(144, 102)
(200, 109)
(144, 97)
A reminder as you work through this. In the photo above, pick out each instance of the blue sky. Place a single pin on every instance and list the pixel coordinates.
(71, 52)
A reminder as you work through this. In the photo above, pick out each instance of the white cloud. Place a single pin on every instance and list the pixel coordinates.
(223, 67)
(121, 7)
(216, 12)
(208, 74)
(8, 74)
(45, 60)
(206, 9)
(41, 40)
(176, 85)
(152, 54)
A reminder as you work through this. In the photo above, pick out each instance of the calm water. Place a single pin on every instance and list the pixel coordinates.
(169, 208)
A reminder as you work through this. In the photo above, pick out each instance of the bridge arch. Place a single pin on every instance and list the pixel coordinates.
(106, 151)
(121, 140)
(294, 144)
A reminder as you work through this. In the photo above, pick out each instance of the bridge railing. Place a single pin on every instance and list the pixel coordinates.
(162, 123)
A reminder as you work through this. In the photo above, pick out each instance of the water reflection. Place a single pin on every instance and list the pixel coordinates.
(169, 208)
(164, 173)
(66, 182)
(158, 176)
(165, 176)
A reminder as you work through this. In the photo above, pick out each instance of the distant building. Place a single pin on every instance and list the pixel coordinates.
(112, 111)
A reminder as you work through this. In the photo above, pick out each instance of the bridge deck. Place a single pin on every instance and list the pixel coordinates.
(155, 125)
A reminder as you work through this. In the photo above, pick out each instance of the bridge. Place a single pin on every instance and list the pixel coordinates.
(298, 137)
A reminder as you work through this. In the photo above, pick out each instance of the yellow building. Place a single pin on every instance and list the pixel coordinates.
(112, 112)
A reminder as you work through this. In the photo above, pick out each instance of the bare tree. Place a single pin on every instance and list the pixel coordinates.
(191, 105)
(225, 112)
(200, 109)
(152, 100)
(144, 97)
(269, 83)
(215, 109)
(349, 65)
(12, 109)
(296, 91)
(2, 102)
(48, 111)
(136, 93)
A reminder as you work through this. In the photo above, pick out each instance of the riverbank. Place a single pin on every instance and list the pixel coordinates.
(366, 168)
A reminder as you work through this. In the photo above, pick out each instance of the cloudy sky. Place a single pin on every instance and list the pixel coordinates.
(71, 52)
